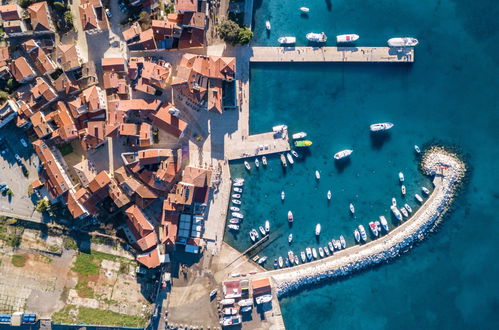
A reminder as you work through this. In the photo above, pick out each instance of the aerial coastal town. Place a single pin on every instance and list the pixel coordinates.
(118, 120)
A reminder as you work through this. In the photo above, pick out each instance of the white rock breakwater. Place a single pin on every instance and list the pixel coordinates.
(448, 171)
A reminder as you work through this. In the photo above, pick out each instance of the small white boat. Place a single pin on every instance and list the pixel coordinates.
(316, 37)
(326, 251)
(283, 195)
(329, 195)
(380, 127)
(336, 244)
(356, 234)
(314, 253)
(304, 9)
(416, 148)
(257, 162)
(262, 260)
(267, 25)
(403, 42)
(238, 184)
(396, 212)
(408, 208)
(342, 154)
(419, 198)
(299, 135)
(297, 261)
(404, 212)
(425, 190)
(378, 226)
(303, 257)
(267, 226)
(295, 154)
(290, 238)
(318, 229)
(262, 230)
(233, 227)
(401, 177)
(290, 158)
(321, 252)
(352, 208)
(246, 309)
(245, 302)
(237, 215)
(394, 201)
(403, 190)
(283, 160)
(373, 228)
(253, 236)
(290, 216)
(286, 40)
(235, 209)
(264, 161)
(384, 223)
(247, 165)
(331, 247)
(281, 262)
(236, 201)
(263, 299)
(317, 175)
(343, 242)
(238, 180)
(236, 195)
(229, 311)
(229, 301)
(345, 38)
(235, 220)
(255, 232)
(238, 190)
(308, 251)
(291, 257)
(363, 234)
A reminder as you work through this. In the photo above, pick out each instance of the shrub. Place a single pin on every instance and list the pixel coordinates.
(18, 260)
(68, 17)
(42, 205)
(59, 6)
(245, 35)
(229, 31)
(10, 192)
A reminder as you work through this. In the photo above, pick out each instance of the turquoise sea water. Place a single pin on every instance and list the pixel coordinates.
(448, 96)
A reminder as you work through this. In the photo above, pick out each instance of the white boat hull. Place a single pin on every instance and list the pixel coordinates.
(316, 37)
(403, 42)
(345, 38)
(286, 40)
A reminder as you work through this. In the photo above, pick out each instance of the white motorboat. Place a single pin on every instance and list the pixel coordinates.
(380, 127)
(329, 195)
(229, 311)
(394, 201)
(236, 195)
(257, 162)
(352, 208)
(286, 40)
(308, 251)
(264, 161)
(237, 215)
(267, 226)
(263, 299)
(283, 195)
(314, 253)
(283, 160)
(233, 227)
(408, 208)
(297, 261)
(246, 309)
(316, 37)
(318, 229)
(331, 247)
(363, 234)
(253, 236)
(238, 190)
(238, 180)
(262, 230)
(416, 148)
(373, 228)
(343, 242)
(262, 260)
(403, 190)
(356, 234)
(228, 301)
(290, 158)
(304, 10)
(255, 258)
(321, 252)
(345, 38)
(235, 209)
(342, 154)
(419, 198)
(378, 226)
(396, 212)
(267, 25)
(299, 135)
(236, 201)
(291, 257)
(326, 251)
(303, 257)
(295, 154)
(336, 244)
(317, 175)
(404, 212)
(290, 216)
(290, 238)
(401, 177)
(425, 190)
(245, 302)
(281, 262)
(384, 223)
(403, 42)
(247, 165)
(238, 184)
(235, 220)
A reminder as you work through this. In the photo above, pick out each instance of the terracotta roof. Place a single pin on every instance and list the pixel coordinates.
(10, 12)
(88, 100)
(43, 63)
(191, 38)
(150, 259)
(156, 74)
(67, 57)
(141, 228)
(153, 156)
(164, 29)
(195, 20)
(165, 121)
(101, 181)
(167, 171)
(65, 85)
(196, 176)
(186, 5)
(93, 135)
(4, 56)
(114, 64)
(40, 16)
(92, 15)
(66, 127)
(138, 105)
(36, 184)
(117, 195)
(145, 42)
(113, 80)
(145, 135)
(262, 284)
(129, 129)
(132, 32)
(40, 125)
(20, 69)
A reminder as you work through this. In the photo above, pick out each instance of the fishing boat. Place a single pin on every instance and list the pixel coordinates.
(290, 158)
(235, 220)
(317, 175)
(401, 177)
(304, 10)
(283, 195)
(281, 262)
(262, 260)
(396, 212)
(233, 227)
(236, 201)
(267, 25)
(236, 195)
(331, 247)
(276, 264)
(290, 238)
(419, 198)
(286, 262)
(257, 162)
(408, 208)
(352, 208)
(329, 194)
(403, 190)
(345, 38)
(267, 226)
(394, 201)
(316, 37)
(263, 299)
(238, 184)
(303, 143)
(213, 293)
(342, 154)
(303, 257)
(373, 228)
(228, 301)
(326, 251)
(235, 209)
(343, 242)
(297, 261)
(356, 234)
(247, 165)
(253, 236)
(318, 229)
(380, 127)
(290, 216)
(378, 226)
(245, 302)
(283, 160)
(238, 190)
(314, 253)
(336, 244)
(264, 161)
(291, 257)
(262, 230)
(425, 190)
(308, 251)
(384, 223)
(295, 154)
(321, 252)
(299, 135)
(247, 309)
(363, 234)
(402, 42)
(416, 148)
(286, 40)
(404, 212)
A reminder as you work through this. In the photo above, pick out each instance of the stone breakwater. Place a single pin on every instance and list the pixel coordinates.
(448, 171)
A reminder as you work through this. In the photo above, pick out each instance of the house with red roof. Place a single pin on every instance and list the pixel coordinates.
(41, 20)
(93, 16)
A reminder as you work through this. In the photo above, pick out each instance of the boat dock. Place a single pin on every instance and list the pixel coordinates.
(332, 54)
(258, 145)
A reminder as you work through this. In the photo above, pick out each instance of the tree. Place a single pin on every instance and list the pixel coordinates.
(245, 35)
(59, 6)
(10, 83)
(68, 17)
(229, 31)
(42, 205)
(3, 97)
(145, 20)
(25, 3)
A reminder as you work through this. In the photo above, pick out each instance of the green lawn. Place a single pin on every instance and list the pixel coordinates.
(18, 260)
(98, 317)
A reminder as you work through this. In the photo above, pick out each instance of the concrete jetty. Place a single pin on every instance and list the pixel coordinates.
(258, 145)
(332, 54)
(448, 171)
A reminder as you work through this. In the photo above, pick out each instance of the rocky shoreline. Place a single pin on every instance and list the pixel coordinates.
(448, 171)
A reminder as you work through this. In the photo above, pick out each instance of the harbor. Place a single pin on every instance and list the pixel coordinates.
(332, 54)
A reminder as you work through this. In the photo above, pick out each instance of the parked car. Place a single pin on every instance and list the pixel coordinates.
(108, 13)
(23, 142)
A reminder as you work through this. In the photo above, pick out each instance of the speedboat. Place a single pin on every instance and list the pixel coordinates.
(308, 251)
(326, 250)
(303, 143)
(290, 158)
(380, 127)
(295, 154)
(275, 264)
(238, 184)
(329, 195)
(304, 10)
(283, 160)
(267, 25)
(404, 212)
(416, 148)
(419, 198)
(267, 226)
(247, 165)
(384, 223)
(343, 242)
(401, 177)
(331, 247)
(363, 234)
(297, 262)
(342, 154)
(290, 238)
(236, 195)
(373, 228)
(396, 212)
(337, 244)
(255, 232)
(291, 257)
(238, 180)
(378, 226)
(281, 262)
(228, 301)
(286, 40)
(314, 253)
(235, 209)
(318, 229)
(321, 252)
(299, 135)
(233, 227)
(290, 216)
(394, 201)
(253, 236)
(316, 37)
(283, 195)
(238, 190)
(303, 257)
(235, 220)
(403, 42)
(263, 299)
(236, 201)
(408, 208)
(245, 302)
(356, 234)
(264, 161)
(425, 190)
(352, 208)
(262, 230)
(247, 309)
(229, 311)
(403, 190)
(286, 262)
(317, 175)
(257, 162)
(345, 38)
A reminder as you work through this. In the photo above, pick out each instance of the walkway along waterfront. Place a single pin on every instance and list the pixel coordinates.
(448, 171)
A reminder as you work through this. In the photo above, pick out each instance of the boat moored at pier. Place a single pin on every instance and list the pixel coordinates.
(346, 38)
(303, 143)
(362, 232)
(402, 42)
(286, 40)
(299, 135)
(384, 223)
(316, 37)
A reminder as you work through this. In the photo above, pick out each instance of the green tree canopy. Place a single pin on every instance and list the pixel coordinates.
(229, 31)
(245, 35)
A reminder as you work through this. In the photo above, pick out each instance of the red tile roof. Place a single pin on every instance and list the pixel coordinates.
(186, 5)
(165, 121)
(40, 17)
(20, 69)
(150, 259)
(10, 12)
